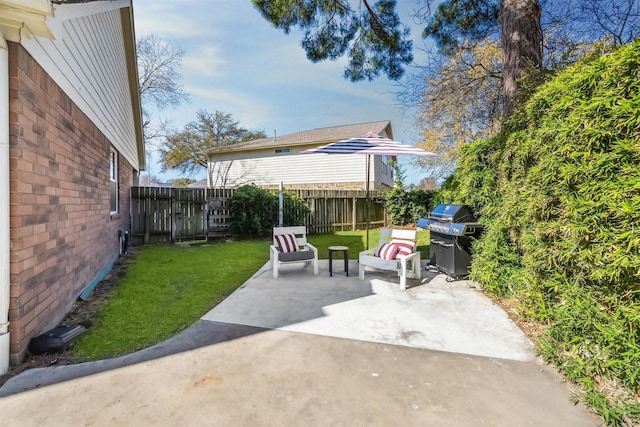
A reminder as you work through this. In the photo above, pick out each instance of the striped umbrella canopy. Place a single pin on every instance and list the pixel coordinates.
(369, 144)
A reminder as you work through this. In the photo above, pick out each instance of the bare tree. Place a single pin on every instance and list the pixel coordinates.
(462, 101)
(461, 84)
(160, 81)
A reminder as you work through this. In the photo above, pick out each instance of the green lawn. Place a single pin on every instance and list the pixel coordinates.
(168, 288)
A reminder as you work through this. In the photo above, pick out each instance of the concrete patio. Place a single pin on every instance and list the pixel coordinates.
(432, 314)
(316, 350)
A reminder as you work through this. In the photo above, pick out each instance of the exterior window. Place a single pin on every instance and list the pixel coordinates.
(113, 180)
(282, 150)
(385, 165)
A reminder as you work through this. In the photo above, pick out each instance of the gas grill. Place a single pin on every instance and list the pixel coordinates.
(452, 229)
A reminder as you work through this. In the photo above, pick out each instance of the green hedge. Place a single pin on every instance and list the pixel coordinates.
(407, 206)
(559, 193)
(254, 211)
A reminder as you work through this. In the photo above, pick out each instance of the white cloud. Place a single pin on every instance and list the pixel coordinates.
(238, 63)
(204, 61)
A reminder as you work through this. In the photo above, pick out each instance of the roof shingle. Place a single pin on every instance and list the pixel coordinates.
(320, 135)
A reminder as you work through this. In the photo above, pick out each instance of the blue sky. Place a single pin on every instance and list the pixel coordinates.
(236, 62)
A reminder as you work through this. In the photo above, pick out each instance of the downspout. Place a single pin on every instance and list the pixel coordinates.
(5, 242)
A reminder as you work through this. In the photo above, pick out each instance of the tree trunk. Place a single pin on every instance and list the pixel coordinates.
(521, 45)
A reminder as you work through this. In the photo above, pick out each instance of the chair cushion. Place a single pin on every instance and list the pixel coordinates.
(377, 262)
(405, 247)
(295, 256)
(387, 251)
(286, 242)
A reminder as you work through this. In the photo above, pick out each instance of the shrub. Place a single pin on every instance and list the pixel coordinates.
(295, 209)
(254, 211)
(559, 193)
(405, 207)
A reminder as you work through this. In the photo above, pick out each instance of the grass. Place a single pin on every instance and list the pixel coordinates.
(355, 240)
(168, 288)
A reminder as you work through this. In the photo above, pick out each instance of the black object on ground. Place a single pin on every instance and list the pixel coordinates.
(452, 229)
(56, 340)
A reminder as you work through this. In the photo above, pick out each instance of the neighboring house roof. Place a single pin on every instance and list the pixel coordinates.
(198, 184)
(314, 136)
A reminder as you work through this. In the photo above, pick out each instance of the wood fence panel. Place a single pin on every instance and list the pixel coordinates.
(161, 214)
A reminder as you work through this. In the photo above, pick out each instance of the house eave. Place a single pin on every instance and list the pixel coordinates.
(16, 15)
(126, 15)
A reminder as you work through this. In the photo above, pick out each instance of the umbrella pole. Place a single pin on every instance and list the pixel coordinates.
(366, 201)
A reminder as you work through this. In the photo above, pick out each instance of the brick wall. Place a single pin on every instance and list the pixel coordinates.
(62, 232)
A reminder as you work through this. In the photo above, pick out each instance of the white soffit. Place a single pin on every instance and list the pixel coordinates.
(16, 14)
(79, 10)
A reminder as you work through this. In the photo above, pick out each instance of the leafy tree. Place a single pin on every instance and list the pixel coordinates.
(160, 80)
(458, 24)
(567, 27)
(186, 150)
(459, 91)
(182, 182)
(462, 102)
(372, 36)
(428, 184)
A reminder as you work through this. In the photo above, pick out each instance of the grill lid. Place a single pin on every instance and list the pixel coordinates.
(451, 213)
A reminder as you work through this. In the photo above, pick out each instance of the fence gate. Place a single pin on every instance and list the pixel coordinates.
(218, 221)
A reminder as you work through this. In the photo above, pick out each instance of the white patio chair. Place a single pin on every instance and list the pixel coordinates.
(290, 246)
(404, 258)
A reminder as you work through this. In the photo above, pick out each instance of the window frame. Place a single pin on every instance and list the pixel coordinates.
(113, 181)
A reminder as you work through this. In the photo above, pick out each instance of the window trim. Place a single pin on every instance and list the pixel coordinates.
(385, 164)
(113, 181)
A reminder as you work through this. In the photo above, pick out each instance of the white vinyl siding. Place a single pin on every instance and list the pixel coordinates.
(87, 60)
(265, 168)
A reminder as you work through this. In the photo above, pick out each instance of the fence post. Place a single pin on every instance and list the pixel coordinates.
(354, 203)
(147, 220)
(280, 206)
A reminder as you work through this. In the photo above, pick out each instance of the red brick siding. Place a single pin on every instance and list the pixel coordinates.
(62, 233)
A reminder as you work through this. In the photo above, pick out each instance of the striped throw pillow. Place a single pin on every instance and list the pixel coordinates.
(405, 247)
(387, 251)
(287, 242)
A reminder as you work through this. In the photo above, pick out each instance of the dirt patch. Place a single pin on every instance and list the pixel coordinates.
(84, 312)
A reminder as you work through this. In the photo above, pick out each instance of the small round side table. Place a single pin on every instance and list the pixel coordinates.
(345, 253)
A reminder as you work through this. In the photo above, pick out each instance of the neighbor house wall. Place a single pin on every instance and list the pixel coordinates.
(265, 168)
(63, 235)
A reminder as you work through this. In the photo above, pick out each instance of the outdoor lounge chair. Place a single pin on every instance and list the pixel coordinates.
(396, 252)
(290, 246)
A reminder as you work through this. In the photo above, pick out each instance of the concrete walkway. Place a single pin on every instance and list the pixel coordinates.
(308, 350)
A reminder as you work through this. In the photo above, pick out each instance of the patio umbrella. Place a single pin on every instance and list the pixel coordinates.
(370, 144)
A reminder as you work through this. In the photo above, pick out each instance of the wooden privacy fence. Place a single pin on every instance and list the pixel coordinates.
(161, 214)
(340, 210)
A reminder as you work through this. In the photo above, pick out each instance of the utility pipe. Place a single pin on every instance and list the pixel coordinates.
(5, 242)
